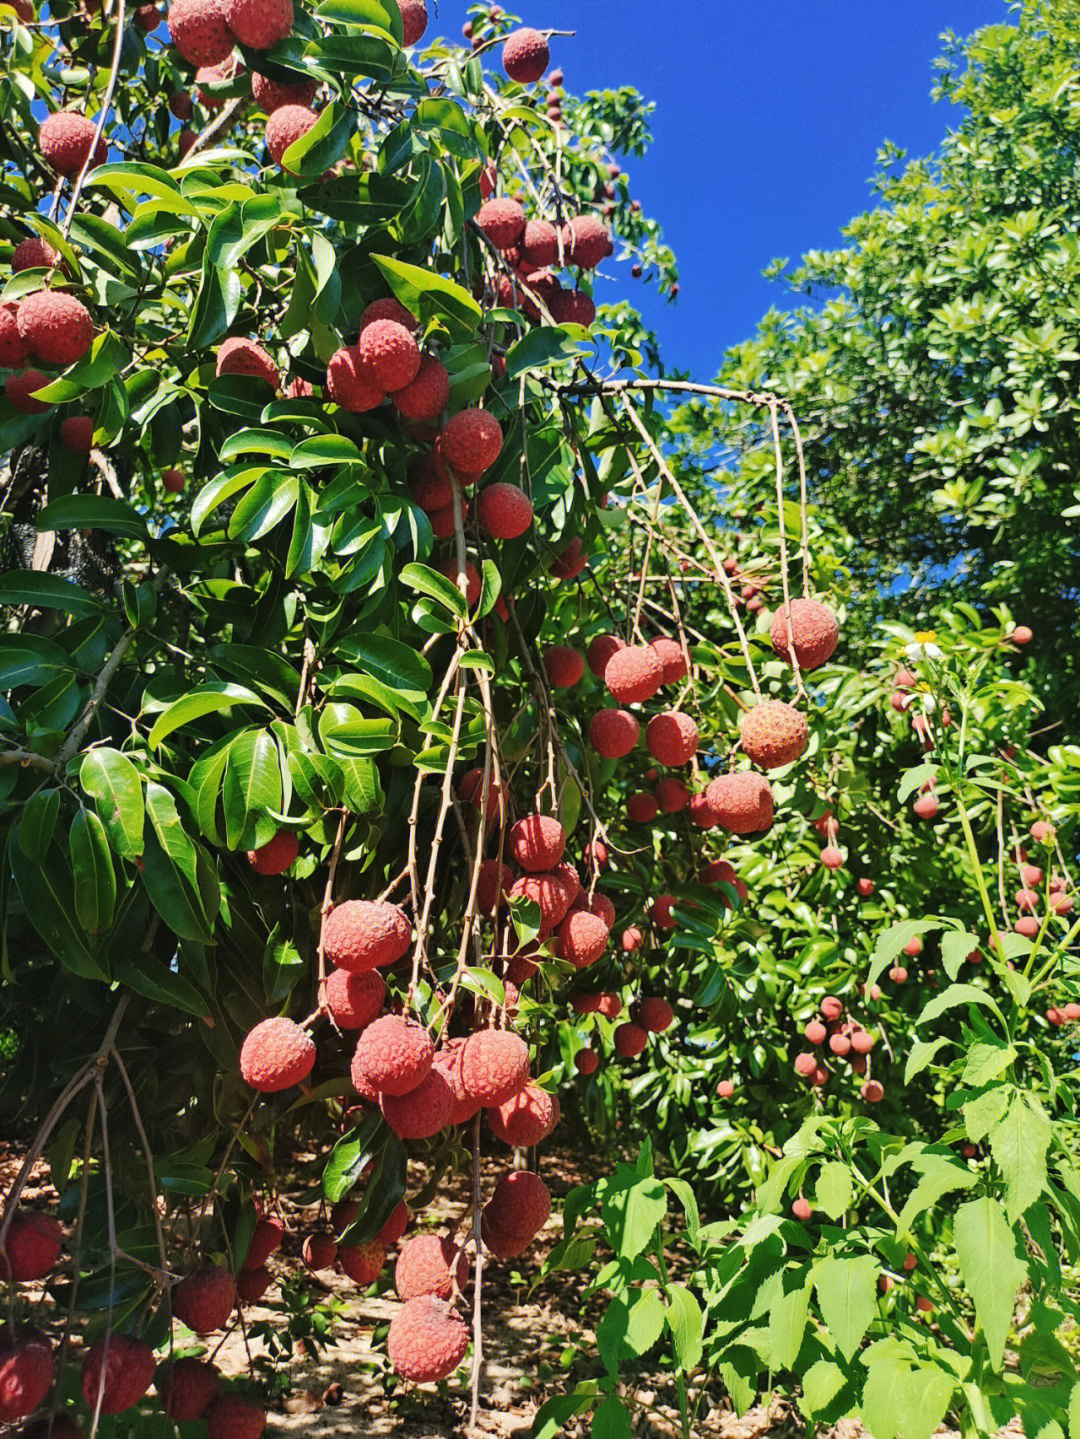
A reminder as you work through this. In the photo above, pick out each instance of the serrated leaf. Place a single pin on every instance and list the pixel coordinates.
(985, 1250)
(847, 1290)
(1019, 1142)
(834, 1189)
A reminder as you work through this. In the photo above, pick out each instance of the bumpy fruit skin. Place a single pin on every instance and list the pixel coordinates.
(586, 242)
(240, 356)
(390, 353)
(200, 31)
(564, 666)
(129, 1370)
(259, 23)
(363, 934)
(634, 674)
(277, 855)
(266, 1239)
(427, 1341)
(77, 433)
(284, 127)
(583, 937)
(252, 1284)
(660, 911)
(427, 393)
(630, 1040)
(471, 442)
(448, 1062)
(520, 1203)
(492, 884)
(395, 1226)
(527, 1119)
(503, 222)
(319, 1251)
(672, 796)
(271, 95)
(351, 384)
(388, 308)
(494, 1065)
(56, 326)
(429, 1264)
(586, 1061)
(672, 738)
(504, 511)
(187, 1388)
(275, 1055)
(354, 999)
(600, 651)
(571, 562)
(33, 253)
(539, 244)
(32, 1246)
(525, 55)
(573, 307)
(26, 1372)
(613, 733)
(363, 1263)
(231, 1416)
(473, 583)
(205, 1299)
(670, 654)
(393, 1054)
(66, 139)
(774, 734)
(207, 75)
(814, 629)
(538, 842)
(13, 348)
(423, 1111)
(742, 802)
(429, 483)
(19, 390)
(414, 18)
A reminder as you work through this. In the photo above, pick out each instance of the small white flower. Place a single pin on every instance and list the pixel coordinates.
(923, 647)
(929, 703)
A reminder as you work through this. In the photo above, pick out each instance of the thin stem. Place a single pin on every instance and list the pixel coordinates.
(478, 1271)
(793, 658)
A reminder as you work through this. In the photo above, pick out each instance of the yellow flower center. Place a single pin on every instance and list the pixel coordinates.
(925, 637)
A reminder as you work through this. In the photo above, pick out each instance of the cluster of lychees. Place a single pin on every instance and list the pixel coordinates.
(846, 1039)
(532, 251)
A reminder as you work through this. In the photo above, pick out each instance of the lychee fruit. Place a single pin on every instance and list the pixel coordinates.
(19, 391)
(537, 842)
(583, 938)
(525, 55)
(77, 433)
(287, 125)
(200, 32)
(1042, 831)
(393, 1054)
(671, 738)
(564, 666)
(832, 1006)
(545, 890)
(32, 1246)
(128, 1367)
(361, 935)
(634, 674)
(504, 511)
(14, 349)
(742, 803)
(363, 1263)
(672, 795)
(671, 656)
(231, 1416)
(319, 1251)
(57, 327)
(429, 483)
(277, 855)
(208, 75)
(926, 806)
(354, 1000)
(865, 886)
(520, 1204)
(33, 253)
(630, 1039)
(573, 307)
(805, 1064)
(448, 1062)
(423, 1111)
(1021, 635)
(271, 95)
(601, 650)
(266, 1239)
(570, 563)
(351, 384)
(240, 356)
(654, 1014)
(427, 393)
(586, 1061)
(473, 583)
(259, 24)
(492, 886)
(816, 1032)
(502, 221)
(642, 808)
(389, 352)
(526, 1119)
(430, 1264)
(181, 105)
(539, 244)
(774, 734)
(275, 1055)
(252, 1284)
(660, 911)
(66, 139)
(471, 441)
(1027, 926)
(174, 481)
(494, 1066)
(813, 628)
(187, 1388)
(613, 733)
(205, 1299)
(414, 19)
(427, 1340)
(396, 1225)
(832, 857)
(586, 242)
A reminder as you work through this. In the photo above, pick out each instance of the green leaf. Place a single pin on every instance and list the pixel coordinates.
(985, 1062)
(834, 1189)
(153, 981)
(1018, 1143)
(956, 945)
(890, 944)
(350, 1157)
(394, 664)
(113, 782)
(427, 581)
(39, 816)
(323, 145)
(47, 893)
(787, 1317)
(821, 1383)
(92, 512)
(985, 1250)
(204, 700)
(921, 1054)
(611, 1420)
(941, 1173)
(431, 296)
(631, 1211)
(539, 349)
(319, 450)
(179, 879)
(27, 587)
(846, 1290)
(687, 1324)
(252, 787)
(92, 872)
(915, 779)
(901, 1397)
(954, 995)
(261, 668)
(630, 1327)
(269, 500)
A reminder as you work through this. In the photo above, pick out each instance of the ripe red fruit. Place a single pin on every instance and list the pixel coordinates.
(601, 650)
(1021, 635)
(423, 1111)
(13, 348)
(642, 808)
(613, 733)
(654, 1014)
(1061, 903)
(672, 795)
(285, 126)
(275, 1055)
(660, 911)
(1027, 899)
(351, 384)
(66, 139)
(572, 307)
(389, 353)
(205, 1299)
(448, 1062)
(741, 803)
(187, 1389)
(914, 946)
(862, 1041)
(174, 481)
(537, 842)
(128, 1366)
(570, 563)
(279, 853)
(832, 1007)
(520, 1204)
(271, 95)
(354, 1000)
(815, 1032)
(363, 1263)
(414, 19)
(831, 857)
(180, 105)
(200, 32)
(630, 1040)
(503, 222)
(564, 666)
(252, 1284)
(393, 1055)
(494, 1066)
(840, 1045)
(33, 253)
(231, 1416)
(361, 935)
(526, 1119)
(427, 393)
(634, 674)
(586, 1061)
(208, 75)
(926, 806)
(429, 483)
(266, 1239)
(805, 1064)
(814, 629)
(586, 242)
(546, 890)
(32, 1246)
(865, 887)
(1042, 831)
(540, 244)
(898, 974)
(583, 938)
(56, 326)
(427, 1340)
(525, 55)
(430, 1264)
(19, 390)
(670, 654)
(240, 356)
(1031, 876)
(504, 511)
(672, 738)
(493, 883)
(774, 734)
(26, 1372)
(471, 442)
(802, 1209)
(259, 24)
(319, 1251)
(473, 582)
(873, 1092)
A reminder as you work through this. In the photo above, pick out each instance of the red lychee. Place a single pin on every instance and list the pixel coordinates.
(266, 1239)
(389, 353)
(832, 1006)
(672, 795)
(205, 1299)
(494, 1066)
(865, 886)
(583, 938)
(725, 1089)
(66, 139)
(427, 1340)
(240, 356)
(430, 1264)
(414, 18)
(601, 650)
(634, 674)
(174, 481)
(231, 1416)
(26, 1372)
(271, 95)
(814, 629)
(287, 125)
(672, 738)
(471, 441)
(502, 221)
(539, 244)
(586, 1061)
(774, 734)
(520, 1204)
(252, 1284)
(354, 1000)
(473, 583)
(492, 885)
(653, 1014)
(396, 1225)
(77, 433)
(363, 1263)
(361, 935)
(570, 562)
(613, 733)
(387, 308)
(351, 384)
(56, 326)
(564, 666)
(207, 75)
(278, 854)
(33, 253)
(393, 1054)
(427, 394)
(180, 105)
(429, 483)
(525, 55)
(14, 349)
(572, 307)
(32, 1246)
(275, 1055)
(630, 1040)
(545, 890)
(448, 1062)
(504, 511)
(816, 1032)
(19, 390)
(670, 654)
(423, 1111)
(187, 1388)
(586, 242)
(805, 1064)
(526, 1119)
(259, 24)
(128, 1366)
(200, 31)
(660, 911)
(537, 842)
(319, 1251)
(741, 802)
(642, 808)
(802, 1209)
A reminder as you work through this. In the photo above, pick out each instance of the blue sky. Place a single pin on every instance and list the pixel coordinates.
(769, 115)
